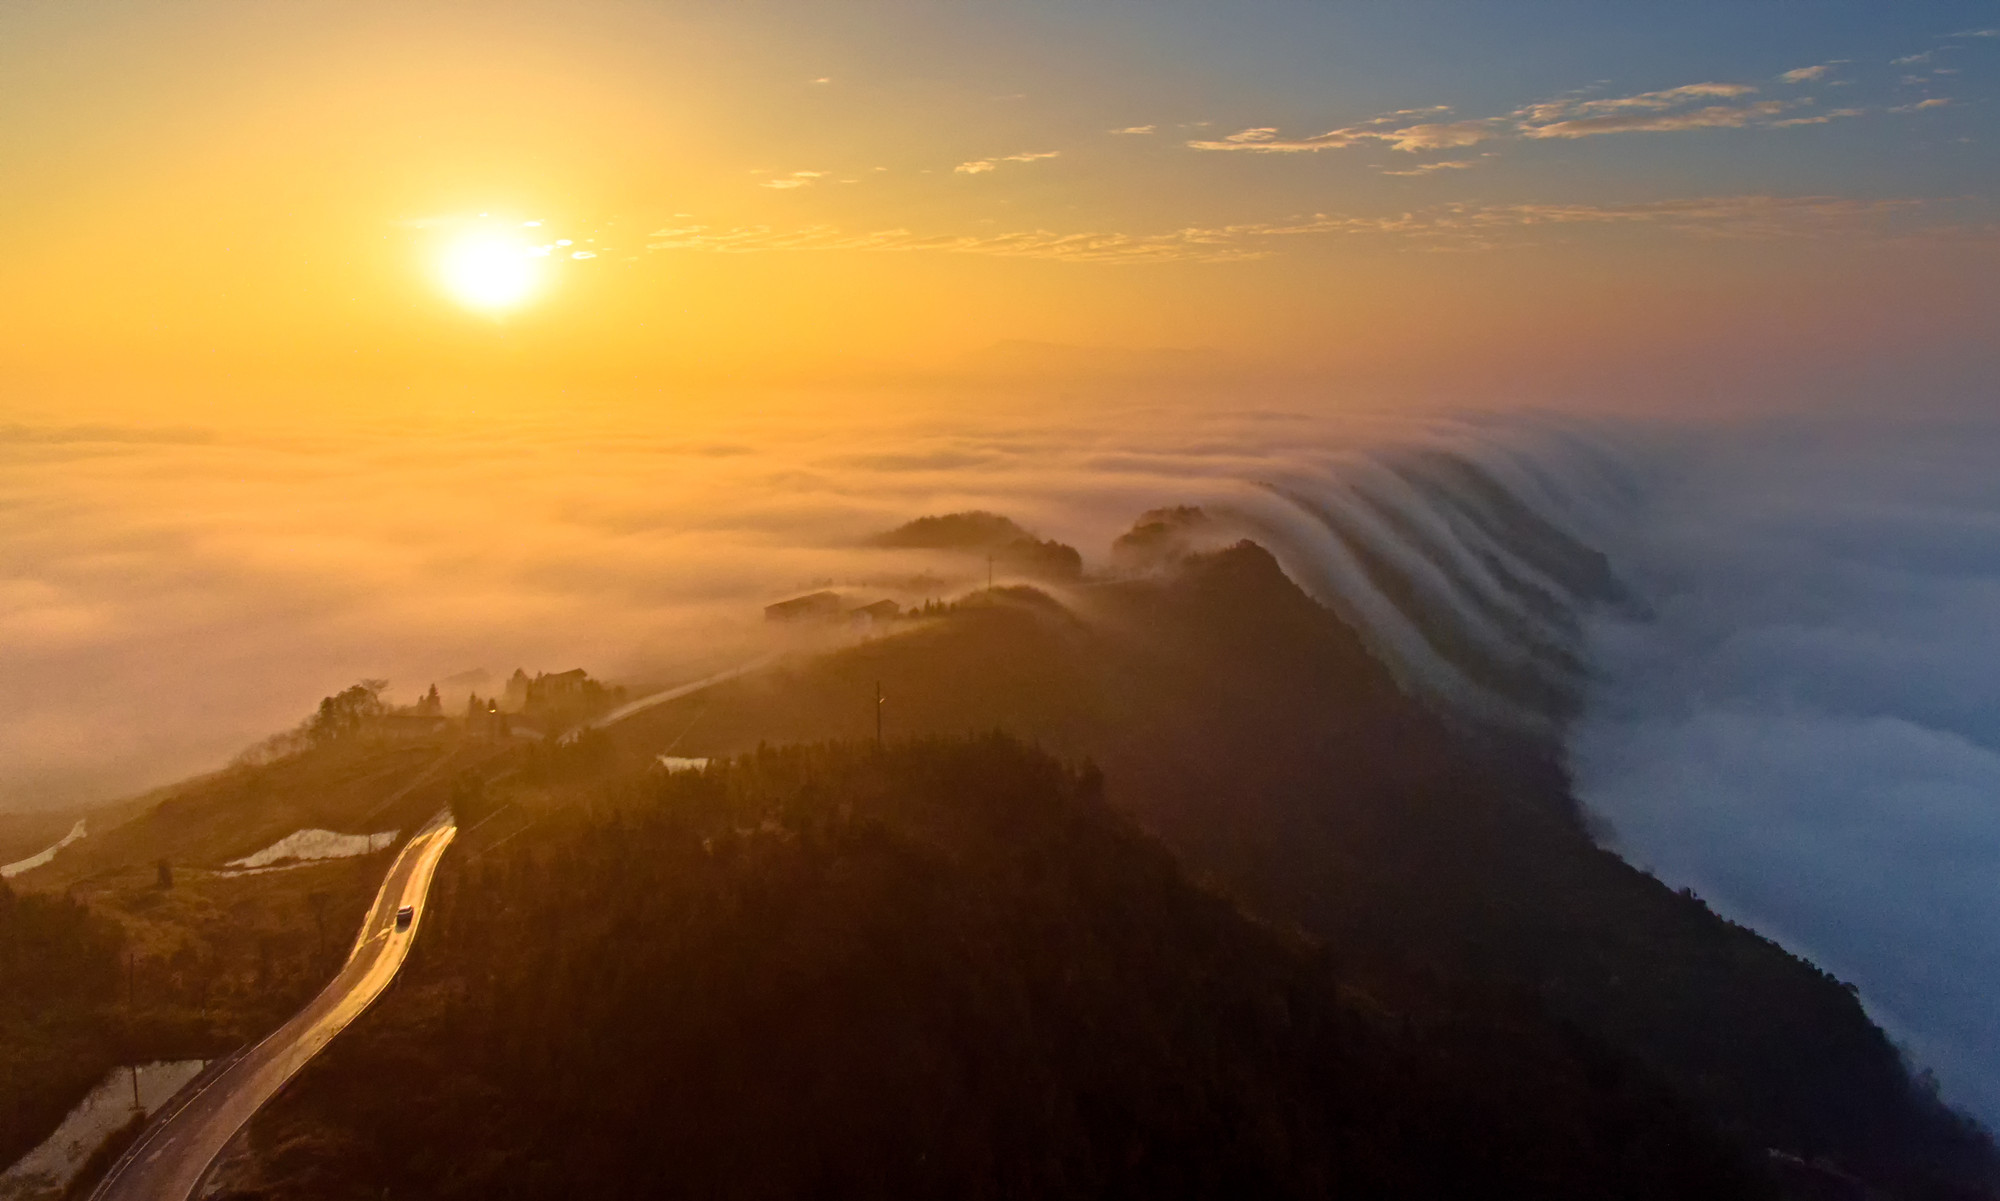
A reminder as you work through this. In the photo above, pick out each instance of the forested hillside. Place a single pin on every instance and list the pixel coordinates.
(136, 944)
(59, 968)
(1251, 729)
(947, 969)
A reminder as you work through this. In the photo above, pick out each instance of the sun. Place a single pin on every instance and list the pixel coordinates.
(489, 271)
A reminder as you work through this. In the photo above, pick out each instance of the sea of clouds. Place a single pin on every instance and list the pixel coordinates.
(1805, 724)
(170, 596)
(1798, 716)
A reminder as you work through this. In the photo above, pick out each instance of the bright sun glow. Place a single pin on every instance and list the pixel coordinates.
(488, 271)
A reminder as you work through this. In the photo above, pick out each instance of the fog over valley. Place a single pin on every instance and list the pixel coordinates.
(1791, 712)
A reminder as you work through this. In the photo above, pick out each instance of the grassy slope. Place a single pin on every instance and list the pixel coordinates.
(210, 820)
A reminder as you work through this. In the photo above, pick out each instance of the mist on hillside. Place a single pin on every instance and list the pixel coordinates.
(1785, 701)
(177, 595)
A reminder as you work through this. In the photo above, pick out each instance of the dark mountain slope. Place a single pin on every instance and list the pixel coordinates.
(59, 966)
(1250, 728)
(944, 970)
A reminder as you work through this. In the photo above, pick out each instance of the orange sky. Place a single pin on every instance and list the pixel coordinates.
(227, 201)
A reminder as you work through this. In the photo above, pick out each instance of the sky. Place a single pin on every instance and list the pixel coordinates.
(217, 208)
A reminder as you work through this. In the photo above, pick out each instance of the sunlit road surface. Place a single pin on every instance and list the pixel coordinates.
(170, 1159)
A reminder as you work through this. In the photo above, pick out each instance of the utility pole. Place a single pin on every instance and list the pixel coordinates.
(878, 715)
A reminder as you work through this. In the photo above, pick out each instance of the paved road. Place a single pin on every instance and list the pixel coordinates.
(175, 1152)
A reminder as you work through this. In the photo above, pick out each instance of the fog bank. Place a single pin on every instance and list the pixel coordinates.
(1806, 726)
(171, 596)
(1771, 646)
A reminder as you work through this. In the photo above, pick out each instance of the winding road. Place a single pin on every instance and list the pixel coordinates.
(182, 1142)
(176, 1150)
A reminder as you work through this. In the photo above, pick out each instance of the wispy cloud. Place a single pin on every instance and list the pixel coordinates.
(1411, 138)
(1440, 136)
(1665, 98)
(1036, 243)
(1402, 113)
(1429, 168)
(1977, 33)
(1911, 60)
(1919, 106)
(1821, 118)
(981, 166)
(1459, 226)
(1690, 106)
(1715, 116)
(797, 179)
(1137, 129)
(1473, 226)
(1265, 140)
(1663, 111)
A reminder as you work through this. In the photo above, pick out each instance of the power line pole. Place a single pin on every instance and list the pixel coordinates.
(878, 715)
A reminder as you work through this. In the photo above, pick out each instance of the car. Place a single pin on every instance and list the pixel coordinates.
(405, 916)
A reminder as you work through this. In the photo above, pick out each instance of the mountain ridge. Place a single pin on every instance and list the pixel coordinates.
(1253, 731)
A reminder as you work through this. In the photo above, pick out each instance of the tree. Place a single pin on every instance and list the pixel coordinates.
(347, 713)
